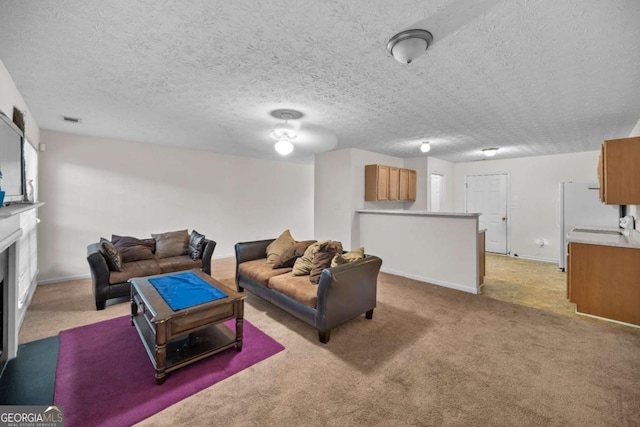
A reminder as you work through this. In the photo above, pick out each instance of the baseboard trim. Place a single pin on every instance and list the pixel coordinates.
(63, 279)
(442, 283)
(535, 258)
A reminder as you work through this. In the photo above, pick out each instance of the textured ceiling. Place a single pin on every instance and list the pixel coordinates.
(531, 77)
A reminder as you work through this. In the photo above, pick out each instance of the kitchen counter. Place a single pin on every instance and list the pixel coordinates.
(418, 213)
(605, 236)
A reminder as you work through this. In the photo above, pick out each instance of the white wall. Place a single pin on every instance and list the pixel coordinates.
(421, 166)
(533, 183)
(339, 191)
(95, 187)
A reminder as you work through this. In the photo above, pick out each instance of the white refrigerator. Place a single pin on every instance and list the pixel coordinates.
(579, 205)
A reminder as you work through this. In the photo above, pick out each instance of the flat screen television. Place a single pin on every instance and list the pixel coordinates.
(11, 161)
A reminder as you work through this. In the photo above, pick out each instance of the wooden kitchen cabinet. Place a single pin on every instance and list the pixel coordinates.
(618, 171)
(388, 183)
(603, 281)
(376, 183)
(394, 183)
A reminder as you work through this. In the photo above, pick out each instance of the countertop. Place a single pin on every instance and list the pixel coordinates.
(418, 213)
(605, 237)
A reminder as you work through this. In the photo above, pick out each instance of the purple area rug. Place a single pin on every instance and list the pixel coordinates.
(104, 375)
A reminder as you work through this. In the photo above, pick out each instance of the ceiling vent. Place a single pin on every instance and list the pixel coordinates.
(71, 119)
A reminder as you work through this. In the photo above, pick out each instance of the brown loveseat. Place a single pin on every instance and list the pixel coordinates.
(342, 293)
(114, 262)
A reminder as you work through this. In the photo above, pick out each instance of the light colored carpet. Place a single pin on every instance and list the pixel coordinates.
(431, 356)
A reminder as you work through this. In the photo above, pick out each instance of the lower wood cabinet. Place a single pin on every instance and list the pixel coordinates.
(604, 281)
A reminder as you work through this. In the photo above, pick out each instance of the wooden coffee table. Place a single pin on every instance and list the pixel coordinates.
(174, 339)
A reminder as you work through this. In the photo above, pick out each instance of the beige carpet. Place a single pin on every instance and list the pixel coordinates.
(431, 356)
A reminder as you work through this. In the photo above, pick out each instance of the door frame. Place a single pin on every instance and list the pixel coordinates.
(508, 201)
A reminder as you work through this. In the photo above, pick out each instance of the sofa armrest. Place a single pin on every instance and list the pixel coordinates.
(207, 254)
(99, 273)
(248, 251)
(346, 291)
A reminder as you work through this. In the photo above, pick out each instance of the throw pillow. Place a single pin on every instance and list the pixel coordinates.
(322, 259)
(291, 254)
(345, 258)
(278, 246)
(172, 243)
(111, 254)
(303, 265)
(132, 249)
(196, 245)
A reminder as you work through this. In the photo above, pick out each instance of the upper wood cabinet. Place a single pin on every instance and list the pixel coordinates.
(388, 183)
(618, 171)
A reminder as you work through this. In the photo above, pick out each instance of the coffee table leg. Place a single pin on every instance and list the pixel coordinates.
(239, 325)
(160, 352)
(134, 310)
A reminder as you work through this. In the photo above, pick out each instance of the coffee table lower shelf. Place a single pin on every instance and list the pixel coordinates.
(186, 349)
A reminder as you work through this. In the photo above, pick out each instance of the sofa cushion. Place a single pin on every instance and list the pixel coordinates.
(133, 249)
(147, 267)
(260, 271)
(278, 246)
(298, 288)
(172, 243)
(347, 257)
(178, 263)
(289, 256)
(196, 245)
(111, 255)
(303, 265)
(322, 259)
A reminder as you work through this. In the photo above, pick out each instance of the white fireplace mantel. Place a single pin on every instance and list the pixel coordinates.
(10, 236)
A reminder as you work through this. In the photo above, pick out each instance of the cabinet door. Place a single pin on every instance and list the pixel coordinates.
(412, 185)
(383, 182)
(394, 181)
(403, 192)
(620, 173)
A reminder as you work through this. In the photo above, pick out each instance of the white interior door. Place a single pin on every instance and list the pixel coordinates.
(437, 192)
(487, 194)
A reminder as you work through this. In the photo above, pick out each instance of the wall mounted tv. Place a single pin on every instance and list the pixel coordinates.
(11, 161)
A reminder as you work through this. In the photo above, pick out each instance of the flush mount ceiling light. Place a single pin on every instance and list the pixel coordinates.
(490, 152)
(407, 45)
(425, 147)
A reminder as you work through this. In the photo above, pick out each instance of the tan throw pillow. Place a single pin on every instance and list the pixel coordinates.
(345, 258)
(278, 246)
(172, 243)
(303, 265)
(289, 256)
(322, 259)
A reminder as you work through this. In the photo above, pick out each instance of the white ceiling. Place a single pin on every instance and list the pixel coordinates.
(531, 77)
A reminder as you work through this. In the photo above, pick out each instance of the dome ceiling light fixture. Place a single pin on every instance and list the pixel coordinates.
(490, 152)
(407, 45)
(425, 147)
(284, 132)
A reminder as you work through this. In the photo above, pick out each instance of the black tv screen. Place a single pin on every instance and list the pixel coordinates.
(11, 161)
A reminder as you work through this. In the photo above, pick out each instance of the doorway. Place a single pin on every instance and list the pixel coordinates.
(436, 197)
(487, 194)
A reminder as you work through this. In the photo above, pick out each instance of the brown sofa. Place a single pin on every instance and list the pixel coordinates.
(343, 292)
(140, 258)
